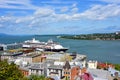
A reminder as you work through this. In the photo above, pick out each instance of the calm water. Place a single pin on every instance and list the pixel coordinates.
(106, 51)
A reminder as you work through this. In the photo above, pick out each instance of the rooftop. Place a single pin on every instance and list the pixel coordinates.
(37, 66)
(34, 54)
(55, 67)
(24, 68)
(11, 54)
(98, 73)
(67, 65)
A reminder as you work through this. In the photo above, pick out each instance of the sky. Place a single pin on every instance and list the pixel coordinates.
(18, 17)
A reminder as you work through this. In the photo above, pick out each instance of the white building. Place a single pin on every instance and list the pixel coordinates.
(55, 70)
(92, 64)
(80, 59)
(30, 57)
(55, 56)
(9, 56)
(36, 68)
(117, 32)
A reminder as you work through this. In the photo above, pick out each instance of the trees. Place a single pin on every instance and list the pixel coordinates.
(9, 71)
(12, 72)
(117, 67)
(37, 77)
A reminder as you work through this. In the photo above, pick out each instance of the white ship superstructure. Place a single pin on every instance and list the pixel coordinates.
(46, 46)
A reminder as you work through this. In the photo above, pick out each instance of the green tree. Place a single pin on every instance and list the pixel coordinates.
(24, 78)
(37, 77)
(9, 71)
(117, 67)
(66, 78)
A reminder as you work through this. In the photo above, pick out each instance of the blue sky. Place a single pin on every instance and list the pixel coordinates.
(19, 17)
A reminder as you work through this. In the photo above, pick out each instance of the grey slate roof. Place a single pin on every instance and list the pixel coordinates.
(37, 66)
(55, 67)
(67, 65)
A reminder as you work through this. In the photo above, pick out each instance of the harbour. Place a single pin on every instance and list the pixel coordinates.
(104, 51)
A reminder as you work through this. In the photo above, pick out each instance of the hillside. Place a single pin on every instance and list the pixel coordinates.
(95, 36)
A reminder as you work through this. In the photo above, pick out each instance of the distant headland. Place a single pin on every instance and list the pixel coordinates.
(95, 36)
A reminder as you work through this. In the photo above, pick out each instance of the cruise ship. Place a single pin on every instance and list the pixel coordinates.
(44, 46)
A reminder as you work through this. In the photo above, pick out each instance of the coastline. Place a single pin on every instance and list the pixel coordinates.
(95, 36)
(91, 39)
(95, 50)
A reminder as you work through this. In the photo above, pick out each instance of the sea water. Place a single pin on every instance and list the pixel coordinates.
(100, 50)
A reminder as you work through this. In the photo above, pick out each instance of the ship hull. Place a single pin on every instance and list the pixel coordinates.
(56, 50)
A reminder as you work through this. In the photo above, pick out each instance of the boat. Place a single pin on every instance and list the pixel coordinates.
(33, 44)
(55, 47)
(50, 45)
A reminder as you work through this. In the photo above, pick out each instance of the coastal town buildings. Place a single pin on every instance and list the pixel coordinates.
(58, 65)
(75, 72)
(55, 70)
(24, 70)
(67, 70)
(9, 55)
(92, 64)
(80, 58)
(32, 57)
(99, 74)
(36, 69)
(56, 56)
(38, 63)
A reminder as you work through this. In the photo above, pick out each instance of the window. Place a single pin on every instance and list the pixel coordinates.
(68, 77)
(68, 72)
(56, 70)
(76, 73)
(76, 68)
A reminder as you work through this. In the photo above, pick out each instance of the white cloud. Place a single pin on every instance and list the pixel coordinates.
(74, 10)
(100, 12)
(64, 9)
(17, 4)
(111, 1)
(6, 19)
(44, 12)
(14, 2)
(24, 19)
(74, 4)
(62, 17)
(39, 16)
(57, 2)
(42, 16)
